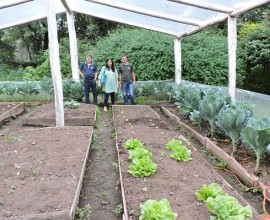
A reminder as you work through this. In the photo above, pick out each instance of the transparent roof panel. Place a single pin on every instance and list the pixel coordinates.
(27, 11)
(175, 17)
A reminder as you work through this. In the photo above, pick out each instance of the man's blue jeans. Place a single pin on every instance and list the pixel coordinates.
(128, 92)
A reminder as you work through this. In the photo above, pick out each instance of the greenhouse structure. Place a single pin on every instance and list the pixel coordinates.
(179, 18)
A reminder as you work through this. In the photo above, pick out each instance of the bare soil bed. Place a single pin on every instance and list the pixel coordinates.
(176, 181)
(41, 171)
(44, 115)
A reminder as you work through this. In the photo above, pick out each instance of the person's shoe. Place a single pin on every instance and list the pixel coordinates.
(105, 109)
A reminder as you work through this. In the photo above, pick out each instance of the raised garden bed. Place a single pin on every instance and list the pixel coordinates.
(242, 165)
(175, 181)
(9, 109)
(44, 115)
(41, 177)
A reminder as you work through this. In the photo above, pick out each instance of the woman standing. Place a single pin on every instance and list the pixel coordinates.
(109, 74)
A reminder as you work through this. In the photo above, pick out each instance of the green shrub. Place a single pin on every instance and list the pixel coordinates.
(151, 53)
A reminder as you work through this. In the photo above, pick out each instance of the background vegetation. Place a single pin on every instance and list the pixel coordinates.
(24, 50)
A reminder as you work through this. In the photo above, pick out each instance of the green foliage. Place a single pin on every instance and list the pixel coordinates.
(179, 151)
(133, 143)
(84, 213)
(210, 107)
(226, 207)
(257, 49)
(205, 59)
(73, 90)
(223, 206)
(71, 104)
(142, 167)
(206, 191)
(257, 137)
(157, 210)
(231, 121)
(248, 28)
(46, 86)
(151, 57)
(139, 153)
(187, 99)
(9, 73)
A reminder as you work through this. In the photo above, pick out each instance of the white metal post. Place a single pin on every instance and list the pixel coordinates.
(55, 63)
(232, 44)
(73, 46)
(177, 60)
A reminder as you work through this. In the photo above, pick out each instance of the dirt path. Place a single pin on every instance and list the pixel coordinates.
(100, 195)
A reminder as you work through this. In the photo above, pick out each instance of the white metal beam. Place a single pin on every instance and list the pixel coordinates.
(212, 7)
(64, 2)
(202, 27)
(143, 11)
(254, 5)
(11, 3)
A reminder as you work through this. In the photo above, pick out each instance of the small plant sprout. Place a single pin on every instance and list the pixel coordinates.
(118, 210)
(84, 213)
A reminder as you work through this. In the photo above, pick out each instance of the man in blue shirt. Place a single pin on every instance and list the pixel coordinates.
(88, 71)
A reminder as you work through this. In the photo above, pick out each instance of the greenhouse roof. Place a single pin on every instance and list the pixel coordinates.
(175, 17)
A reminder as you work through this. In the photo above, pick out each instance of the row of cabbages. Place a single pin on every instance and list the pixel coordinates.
(225, 117)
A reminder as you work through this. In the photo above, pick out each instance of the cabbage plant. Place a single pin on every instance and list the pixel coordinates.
(210, 107)
(257, 137)
(231, 121)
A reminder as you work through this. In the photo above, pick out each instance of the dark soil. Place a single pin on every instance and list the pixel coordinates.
(101, 186)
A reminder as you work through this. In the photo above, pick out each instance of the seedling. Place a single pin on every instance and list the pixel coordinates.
(84, 213)
(118, 210)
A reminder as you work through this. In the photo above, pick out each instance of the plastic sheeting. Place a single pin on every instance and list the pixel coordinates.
(168, 16)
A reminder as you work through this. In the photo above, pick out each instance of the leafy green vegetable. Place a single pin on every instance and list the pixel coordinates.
(157, 210)
(231, 121)
(207, 191)
(71, 104)
(210, 107)
(226, 207)
(179, 151)
(257, 136)
(133, 143)
(142, 167)
(139, 153)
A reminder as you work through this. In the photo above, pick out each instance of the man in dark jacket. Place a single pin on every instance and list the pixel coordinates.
(88, 71)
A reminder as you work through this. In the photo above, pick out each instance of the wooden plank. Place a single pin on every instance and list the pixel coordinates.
(16, 110)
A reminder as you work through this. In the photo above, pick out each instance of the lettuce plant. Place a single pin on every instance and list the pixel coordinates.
(139, 153)
(179, 151)
(257, 137)
(207, 191)
(226, 207)
(223, 206)
(142, 167)
(133, 143)
(157, 210)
